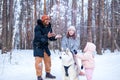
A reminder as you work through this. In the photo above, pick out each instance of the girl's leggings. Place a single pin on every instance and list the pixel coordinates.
(89, 73)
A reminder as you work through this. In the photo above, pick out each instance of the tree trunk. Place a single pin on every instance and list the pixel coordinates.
(74, 11)
(89, 22)
(0, 11)
(1, 22)
(98, 28)
(21, 29)
(82, 28)
(4, 27)
(11, 17)
(28, 27)
(35, 14)
(45, 7)
(113, 26)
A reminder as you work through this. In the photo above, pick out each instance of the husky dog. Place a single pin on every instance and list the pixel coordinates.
(68, 65)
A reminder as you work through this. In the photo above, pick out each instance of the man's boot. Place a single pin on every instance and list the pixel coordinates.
(48, 75)
(39, 78)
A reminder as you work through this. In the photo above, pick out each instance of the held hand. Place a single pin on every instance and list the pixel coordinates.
(58, 36)
(53, 34)
(50, 34)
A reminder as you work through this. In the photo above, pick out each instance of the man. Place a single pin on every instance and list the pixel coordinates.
(43, 33)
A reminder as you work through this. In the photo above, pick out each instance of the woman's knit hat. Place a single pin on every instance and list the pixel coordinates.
(45, 17)
(71, 28)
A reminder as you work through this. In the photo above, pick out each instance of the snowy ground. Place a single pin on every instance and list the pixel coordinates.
(22, 66)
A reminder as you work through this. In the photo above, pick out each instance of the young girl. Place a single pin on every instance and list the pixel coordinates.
(69, 40)
(88, 59)
(70, 43)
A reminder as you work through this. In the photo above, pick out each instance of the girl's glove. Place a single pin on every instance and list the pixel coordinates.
(74, 51)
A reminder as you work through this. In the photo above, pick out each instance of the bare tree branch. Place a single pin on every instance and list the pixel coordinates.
(117, 12)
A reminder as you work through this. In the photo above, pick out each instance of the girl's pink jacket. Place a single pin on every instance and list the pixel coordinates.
(88, 57)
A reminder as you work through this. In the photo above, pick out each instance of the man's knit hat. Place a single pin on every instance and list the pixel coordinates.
(45, 17)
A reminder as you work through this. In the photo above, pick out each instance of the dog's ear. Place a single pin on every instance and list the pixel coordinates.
(63, 53)
(67, 50)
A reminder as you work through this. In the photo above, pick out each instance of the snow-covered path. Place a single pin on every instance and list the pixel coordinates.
(22, 66)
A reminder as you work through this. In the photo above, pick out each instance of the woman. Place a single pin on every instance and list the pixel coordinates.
(70, 41)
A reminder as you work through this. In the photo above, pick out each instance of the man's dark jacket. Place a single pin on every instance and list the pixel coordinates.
(40, 42)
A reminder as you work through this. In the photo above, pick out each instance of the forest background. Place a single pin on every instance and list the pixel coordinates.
(96, 20)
